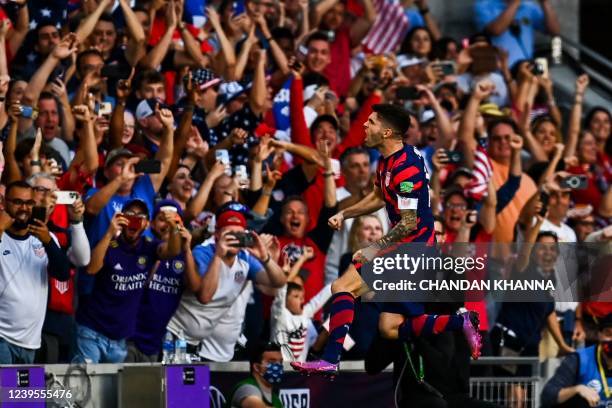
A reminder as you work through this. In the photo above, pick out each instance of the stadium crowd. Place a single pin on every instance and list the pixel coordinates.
(171, 167)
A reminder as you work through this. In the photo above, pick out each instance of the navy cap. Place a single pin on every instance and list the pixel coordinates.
(137, 201)
(167, 203)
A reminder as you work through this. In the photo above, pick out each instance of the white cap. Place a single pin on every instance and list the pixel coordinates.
(405, 60)
(144, 110)
(427, 115)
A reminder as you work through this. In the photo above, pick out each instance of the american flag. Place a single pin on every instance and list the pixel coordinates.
(389, 28)
(482, 172)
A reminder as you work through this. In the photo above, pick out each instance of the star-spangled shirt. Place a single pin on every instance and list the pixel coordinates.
(112, 307)
(245, 119)
(404, 183)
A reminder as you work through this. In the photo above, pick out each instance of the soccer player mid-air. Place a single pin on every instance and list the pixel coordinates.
(402, 187)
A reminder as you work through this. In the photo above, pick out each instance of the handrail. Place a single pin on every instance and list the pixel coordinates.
(588, 51)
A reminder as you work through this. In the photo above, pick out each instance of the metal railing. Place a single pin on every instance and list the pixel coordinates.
(602, 79)
(514, 392)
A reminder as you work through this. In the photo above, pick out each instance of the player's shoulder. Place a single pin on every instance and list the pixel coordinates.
(408, 156)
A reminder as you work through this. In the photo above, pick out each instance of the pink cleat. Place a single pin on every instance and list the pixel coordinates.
(471, 326)
(317, 367)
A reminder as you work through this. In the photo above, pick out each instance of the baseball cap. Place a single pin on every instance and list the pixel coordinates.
(231, 90)
(146, 108)
(228, 218)
(232, 213)
(116, 154)
(136, 202)
(167, 203)
(204, 78)
(406, 60)
(427, 115)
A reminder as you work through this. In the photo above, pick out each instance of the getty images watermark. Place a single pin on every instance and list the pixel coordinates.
(501, 272)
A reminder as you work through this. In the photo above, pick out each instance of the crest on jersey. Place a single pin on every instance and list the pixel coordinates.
(142, 262)
(387, 178)
(62, 287)
(39, 251)
(114, 244)
(178, 266)
(293, 252)
(239, 277)
(406, 187)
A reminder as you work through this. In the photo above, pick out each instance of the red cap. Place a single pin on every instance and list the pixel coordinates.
(231, 218)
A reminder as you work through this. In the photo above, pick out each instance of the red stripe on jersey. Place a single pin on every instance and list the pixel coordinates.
(415, 236)
(405, 174)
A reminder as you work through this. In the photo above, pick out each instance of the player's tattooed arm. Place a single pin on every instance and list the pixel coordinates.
(402, 229)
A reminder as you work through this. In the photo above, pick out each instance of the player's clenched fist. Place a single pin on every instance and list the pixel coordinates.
(336, 221)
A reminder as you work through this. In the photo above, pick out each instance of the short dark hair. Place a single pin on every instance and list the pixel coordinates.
(351, 151)
(257, 350)
(454, 190)
(282, 32)
(47, 95)
(45, 23)
(394, 116)
(502, 121)
(149, 76)
(16, 184)
(551, 234)
(87, 53)
(317, 36)
(108, 18)
(292, 286)
(292, 198)
(314, 78)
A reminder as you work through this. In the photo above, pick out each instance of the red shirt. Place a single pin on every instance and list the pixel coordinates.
(338, 72)
(602, 175)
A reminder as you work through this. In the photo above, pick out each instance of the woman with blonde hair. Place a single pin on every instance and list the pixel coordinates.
(365, 230)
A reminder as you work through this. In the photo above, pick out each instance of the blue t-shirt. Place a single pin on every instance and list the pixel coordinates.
(529, 17)
(97, 226)
(203, 255)
(280, 107)
(415, 19)
(158, 304)
(112, 307)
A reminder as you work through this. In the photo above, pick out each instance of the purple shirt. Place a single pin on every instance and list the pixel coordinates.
(112, 307)
(158, 304)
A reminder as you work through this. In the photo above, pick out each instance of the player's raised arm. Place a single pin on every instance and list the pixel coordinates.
(367, 205)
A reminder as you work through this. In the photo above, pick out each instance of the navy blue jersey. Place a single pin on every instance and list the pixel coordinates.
(404, 183)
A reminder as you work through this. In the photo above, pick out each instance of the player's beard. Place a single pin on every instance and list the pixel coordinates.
(373, 140)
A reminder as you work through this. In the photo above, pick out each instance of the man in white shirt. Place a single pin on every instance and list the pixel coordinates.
(28, 255)
(355, 165)
(225, 268)
(558, 205)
